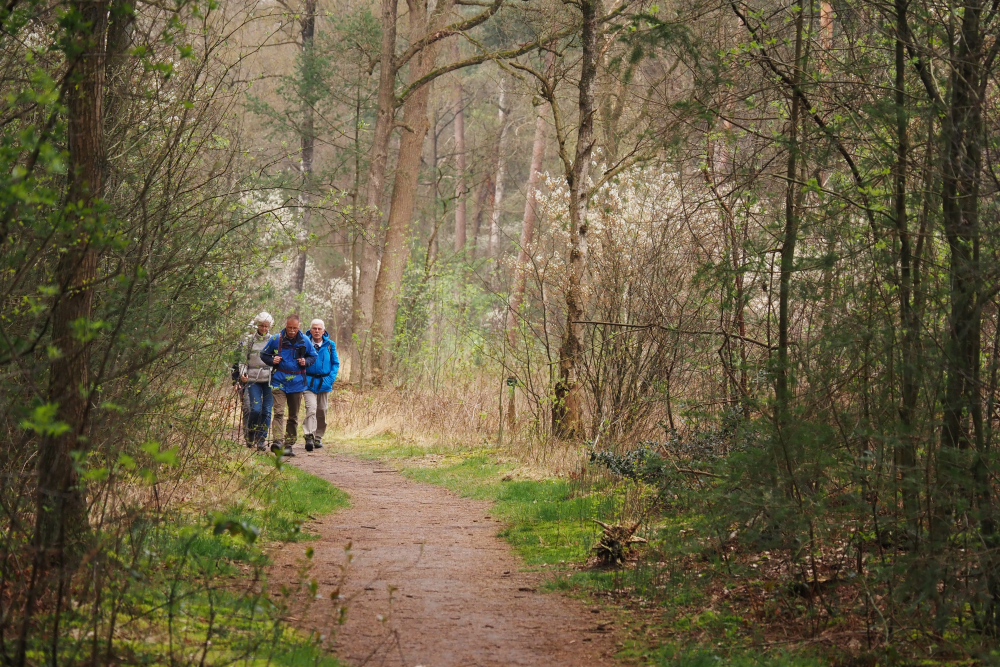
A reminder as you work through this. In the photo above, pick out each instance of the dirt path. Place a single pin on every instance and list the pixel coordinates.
(459, 598)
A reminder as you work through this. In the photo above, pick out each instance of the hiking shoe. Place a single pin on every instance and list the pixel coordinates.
(288, 452)
(317, 444)
(309, 442)
(261, 447)
(276, 447)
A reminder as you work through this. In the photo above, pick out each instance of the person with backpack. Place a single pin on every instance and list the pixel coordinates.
(289, 354)
(253, 379)
(319, 381)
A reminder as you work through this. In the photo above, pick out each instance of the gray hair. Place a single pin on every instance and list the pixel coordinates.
(264, 317)
(317, 321)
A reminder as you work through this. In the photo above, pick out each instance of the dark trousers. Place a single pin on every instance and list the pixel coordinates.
(257, 402)
(293, 402)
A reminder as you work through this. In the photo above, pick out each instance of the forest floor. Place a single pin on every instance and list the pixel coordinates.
(427, 580)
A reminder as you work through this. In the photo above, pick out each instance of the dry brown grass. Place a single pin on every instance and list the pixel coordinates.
(449, 419)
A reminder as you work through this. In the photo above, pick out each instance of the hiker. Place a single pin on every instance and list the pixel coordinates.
(252, 378)
(289, 354)
(319, 382)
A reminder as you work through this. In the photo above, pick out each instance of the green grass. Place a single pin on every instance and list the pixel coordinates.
(550, 525)
(192, 588)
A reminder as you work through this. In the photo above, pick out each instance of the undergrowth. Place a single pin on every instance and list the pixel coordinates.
(195, 589)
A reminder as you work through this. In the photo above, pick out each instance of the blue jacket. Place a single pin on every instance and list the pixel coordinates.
(320, 377)
(288, 376)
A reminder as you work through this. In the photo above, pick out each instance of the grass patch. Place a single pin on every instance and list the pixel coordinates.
(282, 499)
(193, 587)
(550, 525)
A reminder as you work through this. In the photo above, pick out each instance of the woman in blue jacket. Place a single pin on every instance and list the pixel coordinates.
(319, 382)
(290, 355)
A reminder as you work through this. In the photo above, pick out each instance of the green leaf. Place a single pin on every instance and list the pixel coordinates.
(168, 457)
(96, 475)
(247, 531)
(43, 421)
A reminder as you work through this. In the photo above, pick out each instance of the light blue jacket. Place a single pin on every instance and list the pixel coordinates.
(321, 375)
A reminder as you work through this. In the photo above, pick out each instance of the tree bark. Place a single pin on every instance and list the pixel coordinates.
(396, 251)
(493, 250)
(963, 134)
(460, 194)
(527, 223)
(567, 409)
(307, 140)
(782, 390)
(907, 458)
(484, 203)
(361, 315)
(62, 505)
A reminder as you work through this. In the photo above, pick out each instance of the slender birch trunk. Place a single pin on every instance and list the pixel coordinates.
(504, 114)
(460, 194)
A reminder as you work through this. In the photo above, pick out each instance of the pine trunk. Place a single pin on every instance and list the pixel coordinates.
(527, 224)
(371, 245)
(396, 251)
(307, 141)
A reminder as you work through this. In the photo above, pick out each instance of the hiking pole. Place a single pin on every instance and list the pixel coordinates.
(239, 408)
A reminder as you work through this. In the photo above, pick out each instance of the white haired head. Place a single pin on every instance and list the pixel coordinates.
(316, 322)
(264, 317)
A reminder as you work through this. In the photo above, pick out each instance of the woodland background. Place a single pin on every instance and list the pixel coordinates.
(743, 254)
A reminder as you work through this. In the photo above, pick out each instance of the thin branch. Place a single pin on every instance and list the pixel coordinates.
(475, 60)
(692, 332)
(453, 29)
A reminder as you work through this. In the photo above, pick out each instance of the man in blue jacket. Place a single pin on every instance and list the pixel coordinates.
(289, 354)
(319, 382)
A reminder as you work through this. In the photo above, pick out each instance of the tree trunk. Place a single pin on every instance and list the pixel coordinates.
(527, 223)
(963, 137)
(307, 140)
(493, 250)
(484, 203)
(907, 458)
(361, 316)
(782, 390)
(404, 194)
(460, 212)
(62, 504)
(963, 134)
(567, 409)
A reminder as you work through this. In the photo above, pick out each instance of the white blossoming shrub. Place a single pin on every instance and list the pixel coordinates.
(647, 238)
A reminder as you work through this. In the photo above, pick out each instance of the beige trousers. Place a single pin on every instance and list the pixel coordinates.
(315, 421)
(292, 402)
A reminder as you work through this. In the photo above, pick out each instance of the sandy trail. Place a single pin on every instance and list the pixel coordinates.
(458, 595)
